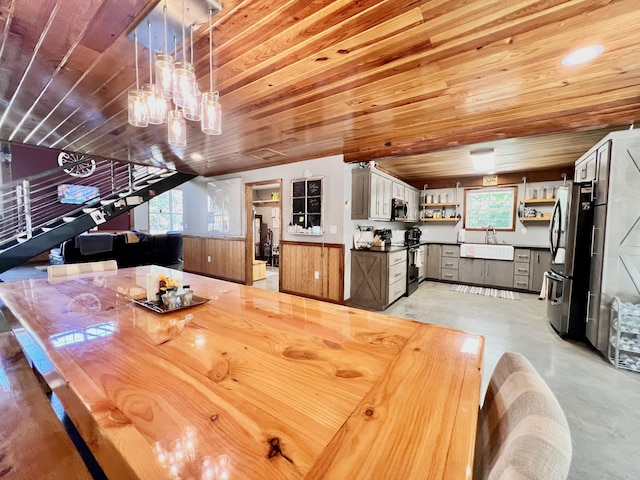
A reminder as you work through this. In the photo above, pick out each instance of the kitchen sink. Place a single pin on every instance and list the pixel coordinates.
(482, 250)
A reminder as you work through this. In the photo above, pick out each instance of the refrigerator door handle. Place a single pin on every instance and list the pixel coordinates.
(589, 295)
(593, 240)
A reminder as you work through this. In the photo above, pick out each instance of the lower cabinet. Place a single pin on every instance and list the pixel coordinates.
(540, 263)
(377, 278)
(434, 261)
(495, 273)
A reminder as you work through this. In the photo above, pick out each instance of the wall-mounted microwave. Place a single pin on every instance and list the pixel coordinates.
(399, 209)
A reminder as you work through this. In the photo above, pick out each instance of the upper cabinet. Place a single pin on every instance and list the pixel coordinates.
(372, 192)
(370, 195)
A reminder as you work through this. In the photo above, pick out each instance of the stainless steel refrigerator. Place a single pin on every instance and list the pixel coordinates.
(568, 279)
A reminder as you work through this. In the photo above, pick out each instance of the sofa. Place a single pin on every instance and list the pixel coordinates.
(128, 249)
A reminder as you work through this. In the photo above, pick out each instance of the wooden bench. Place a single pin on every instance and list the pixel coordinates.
(33, 442)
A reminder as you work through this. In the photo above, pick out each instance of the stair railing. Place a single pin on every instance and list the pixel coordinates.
(30, 203)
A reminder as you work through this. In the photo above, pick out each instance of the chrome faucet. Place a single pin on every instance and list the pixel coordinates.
(490, 238)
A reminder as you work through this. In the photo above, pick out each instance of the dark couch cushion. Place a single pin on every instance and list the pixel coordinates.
(159, 249)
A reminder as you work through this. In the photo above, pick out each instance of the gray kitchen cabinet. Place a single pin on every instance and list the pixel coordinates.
(540, 263)
(450, 263)
(498, 273)
(587, 169)
(522, 268)
(377, 278)
(492, 273)
(471, 270)
(434, 261)
(370, 195)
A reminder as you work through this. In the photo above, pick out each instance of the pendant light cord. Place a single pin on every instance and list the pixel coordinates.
(210, 52)
(164, 9)
(135, 45)
(184, 59)
(150, 57)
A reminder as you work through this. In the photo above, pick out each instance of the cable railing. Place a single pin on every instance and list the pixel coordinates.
(33, 202)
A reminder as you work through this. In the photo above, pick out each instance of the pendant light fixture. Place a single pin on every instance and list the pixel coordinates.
(164, 65)
(211, 122)
(184, 77)
(193, 101)
(155, 102)
(136, 106)
(177, 128)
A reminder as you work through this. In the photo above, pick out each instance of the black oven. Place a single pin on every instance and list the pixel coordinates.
(412, 241)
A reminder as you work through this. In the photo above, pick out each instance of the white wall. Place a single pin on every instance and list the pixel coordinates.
(526, 234)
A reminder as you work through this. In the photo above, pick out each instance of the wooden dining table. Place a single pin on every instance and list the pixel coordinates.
(251, 384)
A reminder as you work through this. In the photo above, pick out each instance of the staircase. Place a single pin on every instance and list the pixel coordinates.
(42, 211)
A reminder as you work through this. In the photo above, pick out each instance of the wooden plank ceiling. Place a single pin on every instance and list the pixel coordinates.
(400, 82)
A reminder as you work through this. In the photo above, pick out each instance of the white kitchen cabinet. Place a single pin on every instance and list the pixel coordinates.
(398, 190)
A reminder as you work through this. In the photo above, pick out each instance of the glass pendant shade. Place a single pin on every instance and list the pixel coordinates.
(193, 106)
(184, 81)
(164, 74)
(137, 109)
(177, 129)
(156, 104)
(211, 122)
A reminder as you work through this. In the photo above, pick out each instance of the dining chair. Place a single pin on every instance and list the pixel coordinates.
(55, 271)
(522, 430)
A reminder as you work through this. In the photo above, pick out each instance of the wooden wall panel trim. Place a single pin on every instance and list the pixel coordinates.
(227, 257)
(298, 263)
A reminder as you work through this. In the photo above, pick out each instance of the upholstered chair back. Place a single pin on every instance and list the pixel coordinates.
(522, 430)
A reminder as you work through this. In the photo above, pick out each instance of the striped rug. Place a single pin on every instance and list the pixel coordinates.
(487, 292)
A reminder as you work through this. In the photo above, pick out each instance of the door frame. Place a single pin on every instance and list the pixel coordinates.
(248, 215)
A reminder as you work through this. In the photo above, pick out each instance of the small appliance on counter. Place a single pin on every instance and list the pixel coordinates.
(384, 234)
(364, 238)
(412, 236)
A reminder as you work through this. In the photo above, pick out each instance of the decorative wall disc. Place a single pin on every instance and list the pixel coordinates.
(84, 169)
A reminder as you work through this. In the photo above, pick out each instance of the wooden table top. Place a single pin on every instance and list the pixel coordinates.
(253, 383)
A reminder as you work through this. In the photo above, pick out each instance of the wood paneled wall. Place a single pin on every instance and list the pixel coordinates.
(227, 257)
(298, 263)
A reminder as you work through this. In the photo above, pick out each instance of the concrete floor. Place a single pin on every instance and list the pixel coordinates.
(602, 404)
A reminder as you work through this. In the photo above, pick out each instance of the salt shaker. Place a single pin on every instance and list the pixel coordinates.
(187, 295)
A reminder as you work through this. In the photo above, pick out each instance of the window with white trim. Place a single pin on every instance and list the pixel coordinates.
(490, 206)
(166, 212)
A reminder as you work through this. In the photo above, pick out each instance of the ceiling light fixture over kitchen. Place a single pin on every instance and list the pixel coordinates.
(582, 55)
(175, 80)
(483, 160)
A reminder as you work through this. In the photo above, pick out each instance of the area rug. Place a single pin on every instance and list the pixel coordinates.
(487, 292)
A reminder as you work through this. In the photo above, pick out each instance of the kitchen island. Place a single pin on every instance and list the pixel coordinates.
(250, 384)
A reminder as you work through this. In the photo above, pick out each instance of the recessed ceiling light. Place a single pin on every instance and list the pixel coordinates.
(196, 157)
(582, 55)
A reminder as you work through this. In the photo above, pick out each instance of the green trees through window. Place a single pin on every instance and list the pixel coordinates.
(495, 206)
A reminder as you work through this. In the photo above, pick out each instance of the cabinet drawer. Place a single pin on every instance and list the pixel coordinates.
(521, 268)
(397, 272)
(451, 251)
(397, 289)
(521, 281)
(450, 262)
(522, 255)
(449, 274)
(397, 257)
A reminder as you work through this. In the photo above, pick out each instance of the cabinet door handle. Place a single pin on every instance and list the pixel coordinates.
(538, 258)
(522, 269)
(448, 264)
(448, 275)
(398, 274)
(521, 283)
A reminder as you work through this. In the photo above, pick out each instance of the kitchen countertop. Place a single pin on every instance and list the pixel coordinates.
(385, 249)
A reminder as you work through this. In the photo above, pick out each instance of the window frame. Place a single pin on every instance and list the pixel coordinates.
(486, 191)
(170, 214)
